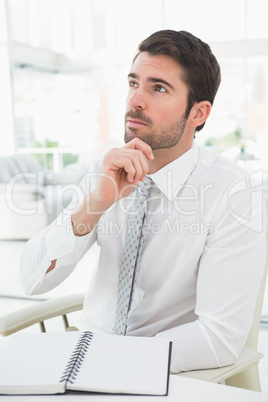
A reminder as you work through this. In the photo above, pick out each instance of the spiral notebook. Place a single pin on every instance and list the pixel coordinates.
(54, 363)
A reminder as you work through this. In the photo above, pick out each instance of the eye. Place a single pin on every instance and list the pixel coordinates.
(133, 84)
(159, 88)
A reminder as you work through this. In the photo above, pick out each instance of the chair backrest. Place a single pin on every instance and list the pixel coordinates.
(252, 340)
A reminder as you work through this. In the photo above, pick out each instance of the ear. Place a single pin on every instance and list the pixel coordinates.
(199, 113)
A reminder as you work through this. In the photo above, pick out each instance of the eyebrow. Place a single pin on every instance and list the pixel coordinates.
(152, 79)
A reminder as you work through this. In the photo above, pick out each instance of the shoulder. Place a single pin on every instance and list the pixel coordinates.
(217, 167)
(233, 189)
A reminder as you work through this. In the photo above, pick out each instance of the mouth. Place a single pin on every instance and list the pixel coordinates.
(135, 123)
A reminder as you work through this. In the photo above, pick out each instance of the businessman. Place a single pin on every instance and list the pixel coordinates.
(200, 255)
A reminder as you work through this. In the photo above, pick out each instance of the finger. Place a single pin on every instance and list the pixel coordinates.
(140, 163)
(130, 170)
(132, 161)
(137, 168)
(145, 169)
(140, 145)
(123, 164)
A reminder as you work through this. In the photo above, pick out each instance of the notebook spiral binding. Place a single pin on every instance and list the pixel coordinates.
(77, 358)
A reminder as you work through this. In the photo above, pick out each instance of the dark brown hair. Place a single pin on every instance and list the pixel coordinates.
(201, 71)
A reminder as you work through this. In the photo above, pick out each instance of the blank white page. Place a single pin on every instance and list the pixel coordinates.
(123, 364)
(34, 363)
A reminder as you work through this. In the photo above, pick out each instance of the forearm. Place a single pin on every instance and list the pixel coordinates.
(55, 246)
(194, 347)
(85, 217)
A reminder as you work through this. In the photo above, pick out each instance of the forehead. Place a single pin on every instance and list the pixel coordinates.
(161, 66)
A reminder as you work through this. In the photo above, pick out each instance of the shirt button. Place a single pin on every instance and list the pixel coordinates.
(62, 249)
(137, 298)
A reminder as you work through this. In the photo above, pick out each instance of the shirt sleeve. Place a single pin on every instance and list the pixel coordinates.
(229, 276)
(56, 242)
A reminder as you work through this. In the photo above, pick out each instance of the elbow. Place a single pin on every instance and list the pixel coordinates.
(225, 344)
(228, 359)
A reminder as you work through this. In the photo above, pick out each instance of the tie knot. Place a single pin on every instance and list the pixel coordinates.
(145, 187)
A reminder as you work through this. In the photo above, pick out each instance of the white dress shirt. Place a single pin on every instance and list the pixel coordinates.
(200, 269)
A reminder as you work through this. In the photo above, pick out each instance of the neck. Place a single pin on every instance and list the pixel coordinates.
(163, 157)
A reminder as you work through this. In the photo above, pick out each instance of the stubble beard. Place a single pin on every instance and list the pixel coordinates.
(158, 139)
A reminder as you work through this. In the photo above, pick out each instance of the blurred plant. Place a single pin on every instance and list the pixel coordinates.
(226, 141)
(46, 159)
(69, 158)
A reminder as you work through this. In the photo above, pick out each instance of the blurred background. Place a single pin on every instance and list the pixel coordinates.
(63, 80)
(64, 65)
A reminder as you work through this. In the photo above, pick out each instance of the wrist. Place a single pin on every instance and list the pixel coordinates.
(96, 205)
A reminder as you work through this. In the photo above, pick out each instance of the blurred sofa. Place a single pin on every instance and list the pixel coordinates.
(31, 198)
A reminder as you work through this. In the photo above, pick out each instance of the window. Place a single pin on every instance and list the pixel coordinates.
(71, 59)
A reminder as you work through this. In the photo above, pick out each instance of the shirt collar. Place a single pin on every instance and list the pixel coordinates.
(171, 177)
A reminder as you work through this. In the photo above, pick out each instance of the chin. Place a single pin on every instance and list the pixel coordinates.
(129, 136)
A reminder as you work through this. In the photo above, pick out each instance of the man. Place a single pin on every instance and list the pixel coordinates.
(200, 265)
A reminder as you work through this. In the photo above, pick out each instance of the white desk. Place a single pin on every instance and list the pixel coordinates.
(180, 390)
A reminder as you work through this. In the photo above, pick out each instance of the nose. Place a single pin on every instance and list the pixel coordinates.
(136, 98)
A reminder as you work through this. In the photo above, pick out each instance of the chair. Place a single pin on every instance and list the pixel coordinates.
(40, 312)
